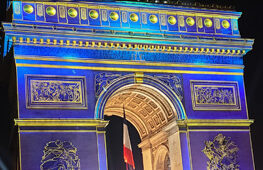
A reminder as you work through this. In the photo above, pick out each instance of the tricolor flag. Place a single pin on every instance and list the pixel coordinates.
(127, 149)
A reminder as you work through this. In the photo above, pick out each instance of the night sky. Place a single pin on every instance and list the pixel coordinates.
(249, 26)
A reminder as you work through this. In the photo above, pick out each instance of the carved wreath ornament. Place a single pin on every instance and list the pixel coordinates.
(222, 154)
(60, 155)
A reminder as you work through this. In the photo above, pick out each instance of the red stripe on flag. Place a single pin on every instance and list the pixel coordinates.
(128, 158)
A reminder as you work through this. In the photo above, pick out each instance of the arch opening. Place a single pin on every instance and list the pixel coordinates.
(152, 113)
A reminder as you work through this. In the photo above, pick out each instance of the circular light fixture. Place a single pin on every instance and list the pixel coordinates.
(225, 24)
(28, 9)
(134, 17)
(51, 11)
(93, 14)
(114, 16)
(153, 19)
(172, 20)
(190, 21)
(208, 22)
(72, 12)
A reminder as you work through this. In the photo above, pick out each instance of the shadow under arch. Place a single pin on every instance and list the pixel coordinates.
(147, 80)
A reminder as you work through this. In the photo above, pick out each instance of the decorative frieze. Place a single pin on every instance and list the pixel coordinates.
(215, 95)
(102, 80)
(174, 82)
(55, 92)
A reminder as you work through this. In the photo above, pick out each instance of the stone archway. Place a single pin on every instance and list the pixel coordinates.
(153, 115)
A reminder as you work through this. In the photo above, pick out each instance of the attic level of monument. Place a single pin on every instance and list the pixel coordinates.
(127, 27)
(212, 4)
(133, 18)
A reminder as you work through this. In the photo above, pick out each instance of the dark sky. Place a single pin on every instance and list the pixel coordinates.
(250, 27)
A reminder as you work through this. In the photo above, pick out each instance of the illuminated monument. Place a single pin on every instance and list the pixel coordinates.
(177, 70)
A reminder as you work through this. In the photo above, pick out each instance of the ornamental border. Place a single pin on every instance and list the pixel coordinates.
(222, 107)
(56, 105)
(110, 45)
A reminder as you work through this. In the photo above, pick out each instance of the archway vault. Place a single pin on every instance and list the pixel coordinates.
(146, 108)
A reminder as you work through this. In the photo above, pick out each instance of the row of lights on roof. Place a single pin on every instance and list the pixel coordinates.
(51, 11)
(216, 4)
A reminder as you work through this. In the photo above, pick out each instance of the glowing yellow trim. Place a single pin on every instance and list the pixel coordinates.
(61, 122)
(127, 69)
(75, 131)
(115, 45)
(135, 38)
(20, 152)
(84, 60)
(216, 130)
(215, 122)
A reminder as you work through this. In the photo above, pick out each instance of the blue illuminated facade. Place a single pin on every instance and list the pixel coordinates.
(69, 54)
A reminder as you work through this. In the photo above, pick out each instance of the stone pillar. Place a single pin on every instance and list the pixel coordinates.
(147, 154)
(174, 146)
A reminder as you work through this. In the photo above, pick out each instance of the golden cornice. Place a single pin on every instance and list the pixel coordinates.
(61, 122)
(215, 122)
(111, 45)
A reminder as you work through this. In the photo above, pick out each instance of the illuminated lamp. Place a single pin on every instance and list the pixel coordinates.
(51, 11)
(208, 22)
(134, 17)
(93, 14)
(172, 20)
(28, 9)
(72, 12)
(114, 16)
(190, 21)
(153, 19)
(225, 24)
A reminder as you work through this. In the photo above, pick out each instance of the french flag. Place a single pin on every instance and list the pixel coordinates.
(127, 149)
